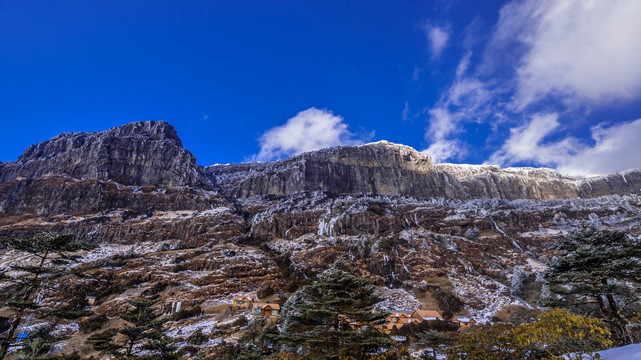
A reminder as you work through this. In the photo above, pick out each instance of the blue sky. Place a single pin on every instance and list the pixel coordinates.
(537, 83)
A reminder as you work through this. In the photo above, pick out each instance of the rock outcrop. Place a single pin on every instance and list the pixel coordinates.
(378, 168)
(170, 228)
(142, 153)
(383, 168)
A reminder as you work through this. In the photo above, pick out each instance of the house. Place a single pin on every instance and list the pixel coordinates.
(463, 321)
(242, 302)
(396, 320)
(387, 327)
(399, 318)
(426, 315)
(267, 309)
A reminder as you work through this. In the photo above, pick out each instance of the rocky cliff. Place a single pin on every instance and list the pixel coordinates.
(121, 184)
(471, 238)
(142, 153)
(383, 168)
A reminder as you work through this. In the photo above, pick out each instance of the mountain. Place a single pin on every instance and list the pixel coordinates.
(384, 168)
(457, 238)
(143, 153)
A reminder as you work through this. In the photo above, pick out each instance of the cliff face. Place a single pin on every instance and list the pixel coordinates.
(384, 168)
(137, 182)
(143, 153)
(127, 184)
(415, 229)
(151, 154)
(379, 168)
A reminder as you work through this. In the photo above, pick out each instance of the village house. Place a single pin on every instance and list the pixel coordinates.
(427, 315)
(267, 309)
(463, 321)
(242, 302)
(399, 318)
(396, 320)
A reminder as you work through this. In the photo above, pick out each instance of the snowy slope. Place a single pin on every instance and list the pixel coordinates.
(630, 352)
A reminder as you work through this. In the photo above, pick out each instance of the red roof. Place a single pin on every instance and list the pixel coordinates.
(427, 314)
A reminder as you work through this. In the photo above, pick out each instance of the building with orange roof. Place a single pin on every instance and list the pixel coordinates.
(463, 321)
(267, 309)
(242, 302)
(427, 315)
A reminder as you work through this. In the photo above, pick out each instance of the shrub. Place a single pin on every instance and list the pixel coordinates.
(93, 323)
(5, 322)
(386, 244)
(472, 234)
(197, 338)
(448, 302)
(265, 291)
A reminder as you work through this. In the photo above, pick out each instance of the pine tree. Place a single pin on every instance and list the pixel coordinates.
(141, 319)
(162, 346)
(46, 258)
(432, 339)
(143, 330)
(318, 320)
(602, 269)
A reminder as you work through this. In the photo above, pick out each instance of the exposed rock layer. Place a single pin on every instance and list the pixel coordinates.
(120, 184)
(383, 168)
(142, 153)
(199, 235)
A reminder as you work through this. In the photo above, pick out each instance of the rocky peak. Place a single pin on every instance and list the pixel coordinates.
(140, 153)
(388, 154)
(376, 168)
(385, 168)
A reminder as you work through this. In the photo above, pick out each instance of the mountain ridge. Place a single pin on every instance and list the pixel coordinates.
(139, 153)
(474, 236)
(151, 153)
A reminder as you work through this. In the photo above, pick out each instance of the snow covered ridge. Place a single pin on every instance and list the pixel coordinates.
(462, 171)
(153, 155)
(385, 168)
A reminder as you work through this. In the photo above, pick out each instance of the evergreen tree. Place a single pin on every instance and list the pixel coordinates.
(143, 330)
(36, 345)
(318, 320)
(602, 269)
(432, 339)
(162, 346)
(46, 257)
(141, 319)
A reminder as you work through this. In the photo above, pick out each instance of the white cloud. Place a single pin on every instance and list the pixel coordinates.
(416, 73)
(526, 143)
(442, 123)
(311, 129)
(616, 148)
(581, 50)
(466, 100)
(563, 56)
(438, 38)
(463, 65)
(405, 114)
(613, 150)
(442, 150)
